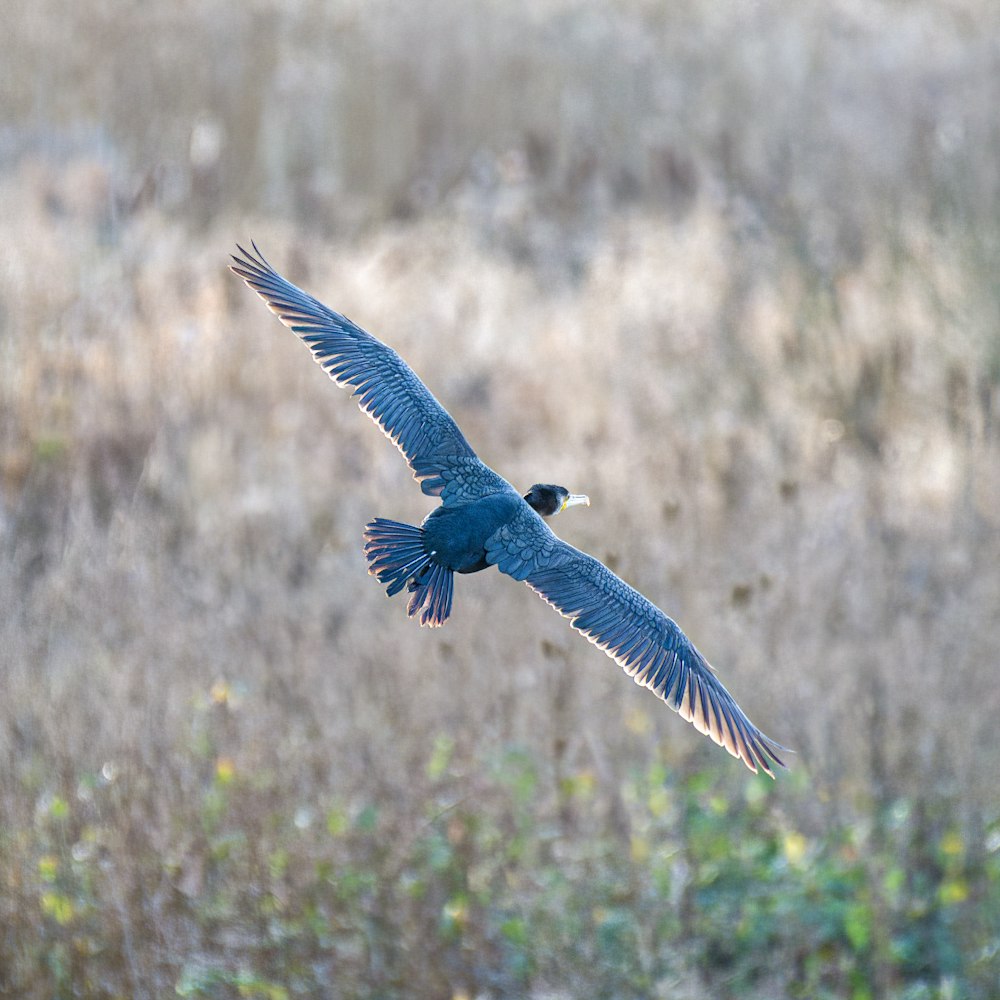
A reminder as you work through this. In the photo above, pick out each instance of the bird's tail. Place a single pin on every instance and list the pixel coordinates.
(397, 557)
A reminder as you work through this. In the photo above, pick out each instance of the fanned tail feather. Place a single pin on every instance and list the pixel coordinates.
(431, 595)
(395, 553)
(397, 558)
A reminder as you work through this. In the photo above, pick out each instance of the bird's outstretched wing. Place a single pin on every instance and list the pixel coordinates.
(648, 645)
(386, 388)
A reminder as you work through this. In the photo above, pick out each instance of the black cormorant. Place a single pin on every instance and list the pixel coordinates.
(483, 521)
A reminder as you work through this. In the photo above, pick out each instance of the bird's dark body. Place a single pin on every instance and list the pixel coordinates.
(456, 537)
(483, 521)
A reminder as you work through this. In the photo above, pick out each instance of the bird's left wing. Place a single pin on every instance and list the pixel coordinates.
(648, 645)
(387, 389)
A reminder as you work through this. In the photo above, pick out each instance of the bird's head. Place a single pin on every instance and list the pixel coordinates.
(546, 499)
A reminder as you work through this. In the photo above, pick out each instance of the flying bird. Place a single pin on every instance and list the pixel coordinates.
(483, 521)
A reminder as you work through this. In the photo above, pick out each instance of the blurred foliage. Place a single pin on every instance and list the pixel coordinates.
(482, 891)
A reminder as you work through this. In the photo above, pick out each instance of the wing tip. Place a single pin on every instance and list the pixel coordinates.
(249, 265)
(761, 752)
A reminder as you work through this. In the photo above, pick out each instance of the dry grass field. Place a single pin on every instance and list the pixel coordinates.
(731, 269)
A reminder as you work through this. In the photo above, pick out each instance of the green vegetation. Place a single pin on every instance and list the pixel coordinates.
(498, 883)
(729, 269)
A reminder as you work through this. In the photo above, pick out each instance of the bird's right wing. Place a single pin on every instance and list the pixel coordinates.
(387, 389)
(648, 645)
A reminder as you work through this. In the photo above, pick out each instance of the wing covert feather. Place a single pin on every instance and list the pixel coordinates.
(521, 544)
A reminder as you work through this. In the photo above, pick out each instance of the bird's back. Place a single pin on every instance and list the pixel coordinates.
(458, 534)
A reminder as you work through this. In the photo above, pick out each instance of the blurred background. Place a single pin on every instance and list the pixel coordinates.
(732, 269)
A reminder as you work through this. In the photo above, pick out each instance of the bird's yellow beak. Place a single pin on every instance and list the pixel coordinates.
(575, 500)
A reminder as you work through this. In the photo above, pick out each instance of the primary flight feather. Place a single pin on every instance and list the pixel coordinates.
(483, 521)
